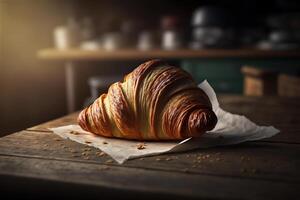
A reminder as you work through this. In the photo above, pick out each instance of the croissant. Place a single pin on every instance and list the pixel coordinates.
(154, 102)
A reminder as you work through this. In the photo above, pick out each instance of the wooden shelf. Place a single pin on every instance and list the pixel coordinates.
(131, 54)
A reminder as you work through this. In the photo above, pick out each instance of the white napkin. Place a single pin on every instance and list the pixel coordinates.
(230, 129)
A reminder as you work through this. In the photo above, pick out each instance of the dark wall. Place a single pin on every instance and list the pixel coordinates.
(31, 90)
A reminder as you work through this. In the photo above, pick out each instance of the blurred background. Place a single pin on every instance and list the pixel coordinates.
(56, 56)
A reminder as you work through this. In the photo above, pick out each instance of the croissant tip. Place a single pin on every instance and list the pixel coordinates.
(202, 121)
(81, 119)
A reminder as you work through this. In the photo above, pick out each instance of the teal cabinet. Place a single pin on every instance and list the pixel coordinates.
(225, 74)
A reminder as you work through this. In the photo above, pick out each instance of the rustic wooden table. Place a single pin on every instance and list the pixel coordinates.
(37, 163)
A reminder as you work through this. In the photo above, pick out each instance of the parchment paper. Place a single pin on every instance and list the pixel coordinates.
(230, 129)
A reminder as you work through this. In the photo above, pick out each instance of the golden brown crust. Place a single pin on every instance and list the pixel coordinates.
(154, 102)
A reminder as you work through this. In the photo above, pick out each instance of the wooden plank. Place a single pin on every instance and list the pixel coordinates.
(62, 121)
(132, 54)
(267, 161)
(141, 182)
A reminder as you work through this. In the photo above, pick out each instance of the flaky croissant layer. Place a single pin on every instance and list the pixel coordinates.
(154, 102)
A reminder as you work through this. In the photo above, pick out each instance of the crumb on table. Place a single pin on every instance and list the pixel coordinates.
(74, 132)
(141, 146)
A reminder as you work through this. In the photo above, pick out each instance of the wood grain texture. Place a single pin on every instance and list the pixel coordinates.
(115, 180)
(255, 160)
(131, 54)
(268, 169)
(62, 121)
